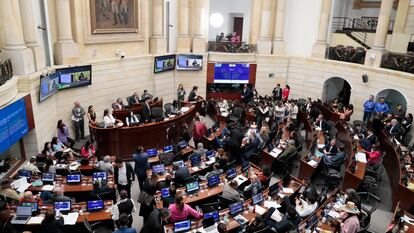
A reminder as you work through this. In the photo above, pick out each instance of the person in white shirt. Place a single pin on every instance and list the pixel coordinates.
(133, 119)
(293, 111)
(31, 166)
(124, 206)
(306, 207)
(108, 119)
(105, 165)
(279, 112)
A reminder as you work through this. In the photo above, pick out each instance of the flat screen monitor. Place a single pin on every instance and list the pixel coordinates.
(180, 163)
(189, 62)
(48, 85)
(236, 208)
(34, 205)
(94, 205)
(231, 173)
(182, 226)
(48, 177)
(74, 178)
(213, 180)
(214, 215)
(164, 63)
(195, 160)
(62, 205)
(257, 198)
(182, 144)
(152, 152)
(231, 73)
(210, 154)
(25, 173)
(74, 76)
(100, 176)
(245, 166)
(158, 168)
(165, 192)
(192, 187)
(168, 149)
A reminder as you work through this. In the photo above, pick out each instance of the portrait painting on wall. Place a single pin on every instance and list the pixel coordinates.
(114, 16)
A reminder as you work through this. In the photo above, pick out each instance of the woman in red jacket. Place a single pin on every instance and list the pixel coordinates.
(88, 150)
(373, 156)
(285, 93)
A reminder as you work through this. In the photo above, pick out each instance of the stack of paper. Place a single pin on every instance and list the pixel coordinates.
(270, 204)
(20, 185)
(48, 187)
(184, 109)
(313, 163)
(277, 216)
(287, 190)
(361, 157)
(35, 220)
(258, 209)
(275, 152)
(356, 137)
(320, 146)
(71, 218)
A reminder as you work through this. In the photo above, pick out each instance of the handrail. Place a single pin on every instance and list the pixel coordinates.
(6, 71)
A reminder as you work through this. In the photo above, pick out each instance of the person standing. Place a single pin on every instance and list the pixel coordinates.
(277, 92)
(124, 206)
(246, 94)
(193, 94)
(156, 220)
(381, 107)
(123, 175)
(285, 93)
(92, 120)
(368, 109)
(200, 129)
(77, 118)
(146, 111)
(180, 93)
(141, 165)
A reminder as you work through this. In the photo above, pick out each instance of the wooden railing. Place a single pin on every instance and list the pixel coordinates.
(6, 71)
(229, 47)
(398, 61)
(347, 54)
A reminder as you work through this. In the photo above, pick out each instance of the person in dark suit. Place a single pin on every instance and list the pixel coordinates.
(330, 148)
(151, 187)
(289, 221)
(193, 94)
(141, 165)
(123, 221)
(123, 175)
(233, 144)
(246, 94)
(368, 141)
(277, 92)
(182, 174)
(309, 190)
(251, 147)
(393, 128)
(335, 160)
(50, 224)
(118, 105)
(171, 198)
(155, 221)
(146, 111)
(322, 124)
(133, 99)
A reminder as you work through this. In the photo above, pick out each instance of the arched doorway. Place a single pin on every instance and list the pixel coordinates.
(336, 87)
(392, 98)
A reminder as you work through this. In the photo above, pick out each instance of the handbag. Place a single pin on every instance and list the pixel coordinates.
(145, 199)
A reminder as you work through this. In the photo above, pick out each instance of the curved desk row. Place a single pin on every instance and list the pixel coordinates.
(136, 109)
(122, 140)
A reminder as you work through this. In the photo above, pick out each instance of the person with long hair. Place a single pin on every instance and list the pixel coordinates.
(92, 120)
(63, 134)
(5, 225)
(88, 150)
(47, 150)
(180, 211)
(60, 149)
(180, 93)
(49, 167)
(285, 93)
(108, 119)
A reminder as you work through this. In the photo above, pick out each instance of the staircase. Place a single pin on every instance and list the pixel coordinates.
(353, 29)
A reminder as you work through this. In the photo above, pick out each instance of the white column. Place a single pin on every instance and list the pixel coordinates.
(319, 48)
(14, 44)
(201, 25)
(374, 55)
(278, 41)
(255, 18)
(183, 38)
(264, 45)
(29, 32)
(66, 50)
(158, 42)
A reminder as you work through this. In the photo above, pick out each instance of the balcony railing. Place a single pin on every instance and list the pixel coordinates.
(364, 24)
(347, 54)
(398, 61)
(229, 47)
(6, 71)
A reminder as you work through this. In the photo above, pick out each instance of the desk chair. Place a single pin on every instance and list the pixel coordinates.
(157, 113)
(167, 108)
(224, 202)
(237, 114)
(98, 228)
(366, 211)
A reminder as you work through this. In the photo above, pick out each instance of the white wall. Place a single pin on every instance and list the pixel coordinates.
(301, 26)
(227, 8)
(344, 8)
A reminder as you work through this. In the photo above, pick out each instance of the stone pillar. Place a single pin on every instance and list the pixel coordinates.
(319, 48)
(183, 26)
(14, 45)
(255, 17)
(264, 45)
(66, 50)
(278, 41)
(201, 25)
(158, 42)
(401, 17)
(29, 32)
(374, 55)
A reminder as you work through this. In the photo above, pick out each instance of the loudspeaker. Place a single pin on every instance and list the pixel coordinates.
(364, 78)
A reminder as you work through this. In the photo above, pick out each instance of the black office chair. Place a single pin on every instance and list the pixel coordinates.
(224, 202)
(157, 113)
(110, 195)
(95, 227)
(264, 230)
(367, 208)
(167, 108)
(237, 114)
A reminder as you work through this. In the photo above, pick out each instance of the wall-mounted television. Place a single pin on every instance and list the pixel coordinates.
(231, 73)
(48, 85)
(189, 62)
(164, 63)
(74, 76)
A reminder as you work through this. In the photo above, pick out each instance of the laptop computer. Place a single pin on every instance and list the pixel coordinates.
(63, 206)
(25, 173)
(257, 198)
(180, 163)
(183, 144)
(168, 149)
(33, 205)
(165, 192)
(235, 210)
(210, 154)
(192, 187)
(213, 180)
(73, 178)
(245, 166)
(48, 177)
(95, 205)
(160, 168)
(195, 160)
(231, 173)
(152, 152)
(23, 214)
(214, 215)
(100, 176)
(182, 226)
(209, 224)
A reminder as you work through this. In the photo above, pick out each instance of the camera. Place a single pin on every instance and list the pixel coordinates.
(120, 53)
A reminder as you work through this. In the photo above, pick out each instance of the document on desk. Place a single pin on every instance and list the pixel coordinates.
(35, 220)
(320, 146)
(356, 137)
(195, 169)
(277, 216)
(270, 204)
(361, 157)
(21, 184)
(184, 109)
(71, 218)
(225, 114)
(318, 154)
(275, 152)
(287, 190)
(259, 210)
(48, 187)
(313, 163)
(407, 219)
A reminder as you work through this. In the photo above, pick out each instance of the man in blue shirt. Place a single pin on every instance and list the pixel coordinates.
(368, 109)
(141, 165)
(381, 107)
(123, 221)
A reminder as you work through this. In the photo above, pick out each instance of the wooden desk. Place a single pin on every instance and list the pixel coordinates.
(122, 141)
(305, 169)
(136, 109)
(215, 134)
(184, 152)
(404, 224)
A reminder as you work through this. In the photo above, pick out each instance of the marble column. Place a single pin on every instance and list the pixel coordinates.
(183, 37)
(264, 44)
(13, 39)
(158, 42)
(66, 50)
(255, 18)
(29, 33)
(319, 48)
(278, 40)
(374, 55)
(201, 25)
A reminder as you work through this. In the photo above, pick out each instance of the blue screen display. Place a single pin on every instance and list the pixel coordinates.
(99, 176)
(182, 144)
(165, 192)
(213, 180)
(13, 124)
(62, 206)
(195, 160)
(48, 85)
(152, 152)
(214, 215)
(231, 173)
(95, 205)
(257, 198)
(245, 166)
(158, 168)
(48, 177)
(34, 205)
(74, 76)
(236, 208)
(209, 154)
(25, 173)
(182, 226)
(231, 73)
(168, 149)
(76, 178)
(180, 163)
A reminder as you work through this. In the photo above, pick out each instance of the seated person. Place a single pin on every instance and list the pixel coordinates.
(264, 174)
(166, 183)
(60, 150)
(322, 124)
(105, 165)
(216, 171)
(256, 224)
(174, 109)
(156, 221)
(288, 222)
(373, 156)
(394, 128)
(288, 152)
(108, 119)
(118, 105)
(330, 148)
(167, 201)
(250, 146)
(230, 191)
(100, 187)
(309, 189)
(181, 211)
(254, 186)
(336, 160)
(133, 99)
(146, 94)
(369, 140)
(349, 218)
(200, 149)
(182, 174)
(48, 150)
(52, 223)
(88, 150)
(28, 197)
(132, 119)
(123, 225)
(222, 158)
(352, 196)
(307, 206)
(49, 167)
(55, 197)
(31, 166)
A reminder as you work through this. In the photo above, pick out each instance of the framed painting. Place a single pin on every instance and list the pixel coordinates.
(113, 16)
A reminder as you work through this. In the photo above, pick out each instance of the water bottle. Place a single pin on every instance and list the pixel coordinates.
(226, 219)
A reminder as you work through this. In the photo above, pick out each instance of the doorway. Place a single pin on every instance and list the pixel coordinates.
(238, 26)
(336, 87)
(392, 98)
